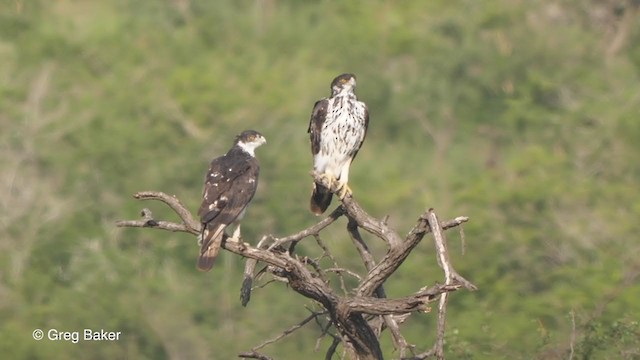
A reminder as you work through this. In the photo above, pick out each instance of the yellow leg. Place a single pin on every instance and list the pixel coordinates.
(236, 235)
(343, 187)
(344, 190)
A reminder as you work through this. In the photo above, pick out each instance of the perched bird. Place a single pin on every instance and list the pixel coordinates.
(229, 186)
(337, 130)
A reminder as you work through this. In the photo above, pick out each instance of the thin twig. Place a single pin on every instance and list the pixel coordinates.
(313, 230)
(332, 348)
(463, 243)
(427, 354)
(265, 284)
(249, 268)
(443, 254)
(289, 330)
(442, 313)
(316, 266)
(324, 330)
(254, 355)
(361, 246)
(328, 254)
(343, 270)
(573, 334)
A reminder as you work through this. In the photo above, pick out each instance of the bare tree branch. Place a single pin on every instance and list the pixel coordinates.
(249, 269)
(254, 355)
(332, 348)
(174, 204)
(399, 306)
(348, 314)
(289, 330)
(313, 230)
(396, 256)
(443, 254)
(450, 276)
(425, 355)
(343, 270)
(573, 334)
(327, 253)
(325, 331)
(398, 340)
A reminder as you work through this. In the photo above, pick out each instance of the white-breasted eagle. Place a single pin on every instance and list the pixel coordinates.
(337, 130)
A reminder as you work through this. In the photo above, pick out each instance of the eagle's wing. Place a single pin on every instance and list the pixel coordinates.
(321, 196)
(318, 115)
(366, 127)
(229, 187)
(217, 183)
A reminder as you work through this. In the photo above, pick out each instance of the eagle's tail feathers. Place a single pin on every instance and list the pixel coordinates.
(212, 240)
(247, 283)
(320, 199)
(245, 290)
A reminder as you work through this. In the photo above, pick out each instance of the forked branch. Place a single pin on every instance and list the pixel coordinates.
(347, 314)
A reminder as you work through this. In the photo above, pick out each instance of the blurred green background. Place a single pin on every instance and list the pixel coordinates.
(522, 115)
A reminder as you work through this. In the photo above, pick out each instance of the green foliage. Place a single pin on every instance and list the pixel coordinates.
(521, 115)
(618, 339)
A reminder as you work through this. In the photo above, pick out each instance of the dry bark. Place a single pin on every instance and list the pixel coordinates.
(358, 316)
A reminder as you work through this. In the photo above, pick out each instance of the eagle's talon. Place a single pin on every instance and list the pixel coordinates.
(344, 191)
(330, 180)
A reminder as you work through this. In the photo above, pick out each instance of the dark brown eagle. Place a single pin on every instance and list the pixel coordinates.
(337, 130)
(229, 186)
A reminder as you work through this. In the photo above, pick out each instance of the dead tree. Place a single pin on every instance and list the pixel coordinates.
(359, 315)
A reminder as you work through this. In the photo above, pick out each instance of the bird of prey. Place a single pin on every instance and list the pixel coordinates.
(229, 186)
(337, 130)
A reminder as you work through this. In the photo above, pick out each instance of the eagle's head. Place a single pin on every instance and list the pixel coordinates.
(249, 140)
(344, 83)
